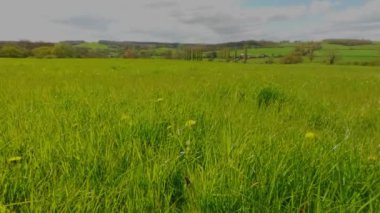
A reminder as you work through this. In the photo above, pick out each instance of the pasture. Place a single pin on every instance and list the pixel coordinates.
(148, 135)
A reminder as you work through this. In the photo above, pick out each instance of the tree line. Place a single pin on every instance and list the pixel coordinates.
(229, 52)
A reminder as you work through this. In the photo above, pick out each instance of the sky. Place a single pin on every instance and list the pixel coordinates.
(192, 21)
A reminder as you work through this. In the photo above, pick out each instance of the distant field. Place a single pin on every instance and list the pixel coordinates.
(347, 54)
(93, 45)
(164, 135)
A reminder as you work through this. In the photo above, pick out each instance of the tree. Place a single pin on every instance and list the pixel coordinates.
(225, 54)
(292, 58)
(43, 52)
(167, 54)
(245, 55)
(63, 50)
(308, 49)
(130, 53)
(211, 55)
(332, 56)
(377, 61)
(12, 51)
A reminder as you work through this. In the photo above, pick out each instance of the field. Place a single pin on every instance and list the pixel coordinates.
(105, 135)
(348, 55)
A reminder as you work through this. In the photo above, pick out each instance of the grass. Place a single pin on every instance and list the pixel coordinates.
(361, 54)
(93, 45)
(171, 136)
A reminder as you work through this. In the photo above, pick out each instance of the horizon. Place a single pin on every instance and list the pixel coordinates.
(160, 42)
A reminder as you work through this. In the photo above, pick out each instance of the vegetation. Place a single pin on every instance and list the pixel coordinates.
(351, 52)
(180, 136)
(292, 58)
(11, 51)
(348, 42)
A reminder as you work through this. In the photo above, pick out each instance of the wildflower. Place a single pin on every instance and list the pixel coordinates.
(310, 135)
(14, 159)
(190, 123)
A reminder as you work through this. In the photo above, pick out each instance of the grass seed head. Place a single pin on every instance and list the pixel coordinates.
(159, 100)
(14, 159)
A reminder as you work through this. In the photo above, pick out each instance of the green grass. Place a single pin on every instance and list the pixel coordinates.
(93, 45)
(274, 51)
(351, 54)
(171, 136)
(347, 54)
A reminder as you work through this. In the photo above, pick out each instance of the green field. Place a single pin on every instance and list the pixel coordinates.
(104, 135)
(348, 55)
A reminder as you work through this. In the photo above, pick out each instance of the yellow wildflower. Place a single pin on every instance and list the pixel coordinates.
(310, 135)
(190, 123)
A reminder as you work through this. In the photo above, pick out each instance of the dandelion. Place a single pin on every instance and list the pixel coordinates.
(310, 135)
(14, 159)
(190, 123)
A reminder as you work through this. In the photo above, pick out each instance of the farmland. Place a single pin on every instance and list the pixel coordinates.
(146, 135)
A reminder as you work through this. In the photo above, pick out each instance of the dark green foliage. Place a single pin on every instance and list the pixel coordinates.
(332, 56)
(12, 51)
(348, 42)
(175, 189)
(63, 50)
(153, 134)
(270, 96)
(43, 52)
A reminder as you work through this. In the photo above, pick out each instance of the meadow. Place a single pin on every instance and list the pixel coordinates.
(104, 135)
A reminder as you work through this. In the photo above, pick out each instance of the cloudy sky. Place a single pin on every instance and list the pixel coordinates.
(188, 20)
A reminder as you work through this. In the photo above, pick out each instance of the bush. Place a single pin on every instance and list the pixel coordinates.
(63, 50)
(42, 52)
(292, 58)
(11, 51)
(269, 60)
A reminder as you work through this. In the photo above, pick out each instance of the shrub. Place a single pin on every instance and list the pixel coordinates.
(42, 52)
(11, 51)
(269, 60)
(292, 58)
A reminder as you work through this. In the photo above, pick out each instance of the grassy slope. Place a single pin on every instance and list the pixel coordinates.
(107, 135)
(93, 45)
(347, 54)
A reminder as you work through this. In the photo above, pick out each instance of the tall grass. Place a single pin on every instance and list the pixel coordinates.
(171, 136)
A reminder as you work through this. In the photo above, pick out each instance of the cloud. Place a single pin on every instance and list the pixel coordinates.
(86, 22)
(187, 21)
(161, 4)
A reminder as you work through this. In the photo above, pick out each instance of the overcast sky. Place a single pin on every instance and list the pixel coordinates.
(188, 20)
